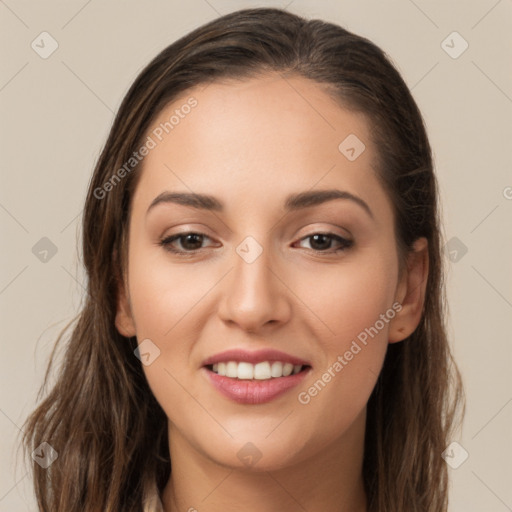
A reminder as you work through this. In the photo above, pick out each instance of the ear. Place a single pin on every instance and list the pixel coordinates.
(410, 293)
(124, 318)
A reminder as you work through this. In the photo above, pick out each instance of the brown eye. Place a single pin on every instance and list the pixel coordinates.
(188, 242)
(322, 242)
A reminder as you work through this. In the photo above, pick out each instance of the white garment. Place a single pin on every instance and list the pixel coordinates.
(153, 503)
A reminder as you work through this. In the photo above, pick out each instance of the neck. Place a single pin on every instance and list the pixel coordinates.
(329, 481)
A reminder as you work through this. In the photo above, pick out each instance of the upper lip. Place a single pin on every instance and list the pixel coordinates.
(254, 357)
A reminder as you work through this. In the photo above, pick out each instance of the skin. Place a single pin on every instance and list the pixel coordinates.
(251, 143)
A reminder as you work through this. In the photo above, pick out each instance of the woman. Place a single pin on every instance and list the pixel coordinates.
(265, 311)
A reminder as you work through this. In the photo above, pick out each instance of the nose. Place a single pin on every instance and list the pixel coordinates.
(255, 295)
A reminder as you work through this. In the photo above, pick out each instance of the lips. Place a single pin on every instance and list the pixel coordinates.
(259, 387)
(259, 356)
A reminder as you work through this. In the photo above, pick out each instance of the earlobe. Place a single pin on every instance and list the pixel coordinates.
(411, 293)
(124, 318)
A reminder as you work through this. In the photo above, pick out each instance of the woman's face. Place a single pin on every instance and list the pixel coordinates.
(275, 263)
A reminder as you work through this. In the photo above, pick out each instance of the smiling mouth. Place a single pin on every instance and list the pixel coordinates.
(265, 370)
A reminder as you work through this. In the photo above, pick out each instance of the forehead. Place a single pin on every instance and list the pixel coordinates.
(268, 113)
(258, 135)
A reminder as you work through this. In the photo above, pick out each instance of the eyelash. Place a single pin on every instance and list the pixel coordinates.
(166, 243)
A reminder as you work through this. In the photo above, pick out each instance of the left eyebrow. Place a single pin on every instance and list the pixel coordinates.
(293, 201)
(314, 197)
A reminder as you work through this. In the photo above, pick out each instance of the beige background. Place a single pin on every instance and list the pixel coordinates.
(56, 113)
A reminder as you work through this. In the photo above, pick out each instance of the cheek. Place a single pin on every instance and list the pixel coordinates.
(355, 303)
(162, 295)
(170, 304)
(163, 301)
(350, 296)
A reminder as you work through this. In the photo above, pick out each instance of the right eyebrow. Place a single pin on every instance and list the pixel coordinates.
(200, 201)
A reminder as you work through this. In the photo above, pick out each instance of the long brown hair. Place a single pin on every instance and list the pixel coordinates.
(101, 417)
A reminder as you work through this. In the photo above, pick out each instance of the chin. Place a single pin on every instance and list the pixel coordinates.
(259, 455)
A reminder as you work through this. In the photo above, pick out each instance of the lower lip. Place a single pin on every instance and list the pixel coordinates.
(254, 391)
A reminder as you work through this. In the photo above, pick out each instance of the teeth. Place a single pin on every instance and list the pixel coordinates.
(277, 369)
(260, 371)
(231, 369)
(245, 370)
(287, 369)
